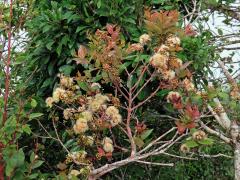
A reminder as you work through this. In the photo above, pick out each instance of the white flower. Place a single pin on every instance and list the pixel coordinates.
(168, 75)
(144, 39)
(171, 95)
(97, 102)
(113, 112)
(173, 41)
(58, 94)
(81, 126)
(49, 102)
(188, 85)
(107, 144)
(159, 61)
(87, 115)
(73, 173)
(66, 81)
(68, 113)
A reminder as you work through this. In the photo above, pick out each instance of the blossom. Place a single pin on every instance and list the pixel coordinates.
(81, 126)
(97, 102)
(175, 62)
(58, 94)
(74, 172)
(89, 140)
(95, 86)
(168, 75)
(172, 96)
(87, 115)
(159, 61)
(199, 135)
(163, 48)
(66, 81)
(135, 47)
(189, 86)
(144, 39)
(116, 119)
(173, 41)
(107, 145)
(49, 102)
(68, 113)
(113, 112)
(184, 148)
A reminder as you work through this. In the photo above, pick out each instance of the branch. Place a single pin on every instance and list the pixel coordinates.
(213, 132)
(7, 80)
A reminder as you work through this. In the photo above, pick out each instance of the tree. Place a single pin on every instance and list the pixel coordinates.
(108, 86)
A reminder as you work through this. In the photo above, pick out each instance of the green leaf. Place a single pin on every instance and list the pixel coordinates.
(206, 141)
(49, 45)
(35, 115)
(83, 85)
(146, 133)
(33, 176)
(191, 144)
(99, 3)
(33, 103)
(37, 164)
(162, 93)
(26, 128)
(66, 69)
(32, 157)
(220, 32)
(138, 141)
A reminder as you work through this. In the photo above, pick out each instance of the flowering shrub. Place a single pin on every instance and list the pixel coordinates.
(94, 118)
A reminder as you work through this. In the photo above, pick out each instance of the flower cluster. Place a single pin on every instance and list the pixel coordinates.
(88, 113)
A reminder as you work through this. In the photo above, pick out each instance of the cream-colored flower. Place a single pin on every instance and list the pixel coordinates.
(74, 172)
(111, 110)
(66, 81)
(58, 94)
(168, 75)
(107, 144)
(144, 39)
(179, 61)
(68, 113)
(81, 126)
(87, 115)
(159, 61)
(188, 85)
(116, 119)
(172, 95)
(184, 148)
(163, 49)
(101, 98)
(95, 86)
(199, 135)
(49, 102)
(173, 41)
(97, 102)
(89, 140)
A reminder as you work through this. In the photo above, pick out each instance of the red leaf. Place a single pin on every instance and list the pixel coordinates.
(82, 52)
(181, 127)
(110, 28)
(109, 156)
(189, 31)
(191, 125)
(101, 152)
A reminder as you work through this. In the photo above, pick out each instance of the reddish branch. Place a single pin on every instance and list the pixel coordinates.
(7, 74)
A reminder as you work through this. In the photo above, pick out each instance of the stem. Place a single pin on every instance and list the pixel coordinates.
(237, 161)
(7, 80)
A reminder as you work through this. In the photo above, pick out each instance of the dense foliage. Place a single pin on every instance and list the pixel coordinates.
(104, 82)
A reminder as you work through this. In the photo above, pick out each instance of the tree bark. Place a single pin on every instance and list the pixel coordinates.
(237, 161)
